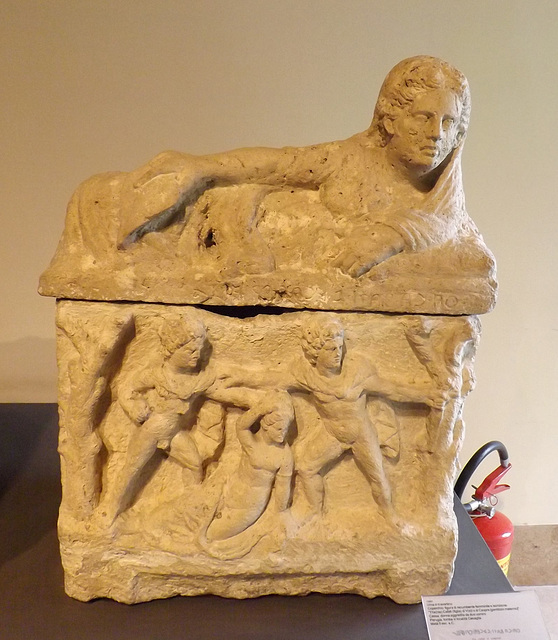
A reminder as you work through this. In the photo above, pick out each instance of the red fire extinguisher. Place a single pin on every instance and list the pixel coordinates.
(495, 528)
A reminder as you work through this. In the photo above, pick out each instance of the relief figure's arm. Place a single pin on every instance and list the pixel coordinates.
(289, 166)
(299, 167)
(403, 392)
(230, 375)
(132, 397)
(243, 425)
(241, 397)
(283, 481)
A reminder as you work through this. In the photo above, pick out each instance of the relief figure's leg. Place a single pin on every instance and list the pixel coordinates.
(367, 453)
(184, 450)
(194, 447)
(155, 433)
(209, 432)
(310, 458)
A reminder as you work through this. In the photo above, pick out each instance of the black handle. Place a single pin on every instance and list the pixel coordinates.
(475, 461)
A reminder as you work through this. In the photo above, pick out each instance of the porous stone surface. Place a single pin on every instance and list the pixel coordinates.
(289, 453)
(374, 223)
(239, 414)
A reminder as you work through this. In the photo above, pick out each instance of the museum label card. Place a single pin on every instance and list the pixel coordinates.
(486, 616)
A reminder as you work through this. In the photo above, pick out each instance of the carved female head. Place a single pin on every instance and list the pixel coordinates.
(422, 112)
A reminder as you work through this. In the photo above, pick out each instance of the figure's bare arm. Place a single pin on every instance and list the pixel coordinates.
(283, 481)
(243, 424)
(237, 396)
(132, 396)
(403, 392)
(292, 166)
(136, 383)
(229, 375)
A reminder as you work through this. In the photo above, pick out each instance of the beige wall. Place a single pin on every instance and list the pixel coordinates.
(91, 86)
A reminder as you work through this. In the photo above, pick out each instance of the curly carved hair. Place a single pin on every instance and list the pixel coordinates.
(175, 333)
(314, 334)
(411, 77)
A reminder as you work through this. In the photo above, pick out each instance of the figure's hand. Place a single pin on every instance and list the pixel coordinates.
(355, 263)
(366, 248)
(234, 376)
(141, 411)
(165, 163)
(425, 394)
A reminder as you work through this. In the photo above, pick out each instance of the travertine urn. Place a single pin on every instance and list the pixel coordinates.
(263, 358)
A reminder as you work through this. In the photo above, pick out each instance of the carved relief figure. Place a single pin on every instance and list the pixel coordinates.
(266, 464)
(392, 189)
(96, 356)
(162, 395)
(400, 180)
(339, 385)
(448, 359)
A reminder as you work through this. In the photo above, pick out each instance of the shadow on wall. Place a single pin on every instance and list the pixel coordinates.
(28, 370)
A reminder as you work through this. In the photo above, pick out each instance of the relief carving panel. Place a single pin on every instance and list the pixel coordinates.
(294, 452)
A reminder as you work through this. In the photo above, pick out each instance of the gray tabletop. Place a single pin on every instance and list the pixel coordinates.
(33, 604)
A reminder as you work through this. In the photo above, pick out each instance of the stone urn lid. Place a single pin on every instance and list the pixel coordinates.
(376, 222)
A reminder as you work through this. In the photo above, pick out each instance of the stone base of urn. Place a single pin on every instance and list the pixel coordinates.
(398, 566)
(287, 452)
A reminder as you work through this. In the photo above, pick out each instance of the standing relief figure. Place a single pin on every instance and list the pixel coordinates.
(447, 356)
(96, 356)
(339, 385)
